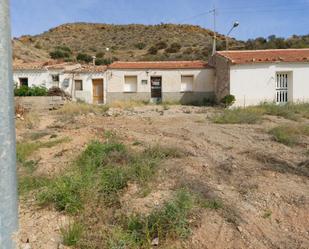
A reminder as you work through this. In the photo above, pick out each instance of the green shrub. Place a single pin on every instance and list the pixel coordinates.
(30, 91)
(171, 220)
(238, 116)
(27, 184)
(140, 45)
(65, 193)
(153, 50)
(228, 100)
(161, 45)
(61, 53)
(103, 61)
(72, 234)
(289, 134)
(173, 48)
(84, 57)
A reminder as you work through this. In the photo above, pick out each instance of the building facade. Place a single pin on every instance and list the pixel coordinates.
(253, 77)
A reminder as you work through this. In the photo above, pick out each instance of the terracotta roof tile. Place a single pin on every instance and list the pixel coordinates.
(262, 56)
(88, 69)
(159, 65)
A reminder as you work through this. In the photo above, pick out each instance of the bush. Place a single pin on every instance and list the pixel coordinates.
(84, 57)
(153, 50)
(100, 55)
(61, 52)
(140, 45)
(161, 45)
(238, 116)
(228, 100)
(289, 134)
(30, 91)
(72, 234)
(103, 61)
(174, 48)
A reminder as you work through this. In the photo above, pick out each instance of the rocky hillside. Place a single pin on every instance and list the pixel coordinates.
(125, 42)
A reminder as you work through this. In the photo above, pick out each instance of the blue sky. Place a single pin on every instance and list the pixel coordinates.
(256, 17)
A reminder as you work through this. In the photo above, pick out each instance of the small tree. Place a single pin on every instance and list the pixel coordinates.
(161, 45)
(153, 50)
(174, 48)
(228, 100)
(84, 57)
(140, 45)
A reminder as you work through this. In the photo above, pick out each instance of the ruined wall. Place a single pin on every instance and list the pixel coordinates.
(222, 79)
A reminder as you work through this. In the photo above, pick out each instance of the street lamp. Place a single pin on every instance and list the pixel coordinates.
(235, 25)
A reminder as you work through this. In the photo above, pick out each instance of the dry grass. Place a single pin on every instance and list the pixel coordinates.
(75, 109)
(30, 120)
(128, 104)
(290, 134)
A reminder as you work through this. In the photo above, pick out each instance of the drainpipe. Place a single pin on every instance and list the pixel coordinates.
(8, 176)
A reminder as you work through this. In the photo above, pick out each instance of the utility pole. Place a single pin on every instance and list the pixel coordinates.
(8, 178)
(214, 49)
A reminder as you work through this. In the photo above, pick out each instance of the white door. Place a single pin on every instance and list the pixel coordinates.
(282, 88)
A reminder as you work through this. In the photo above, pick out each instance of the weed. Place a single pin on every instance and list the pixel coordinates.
(72, 234)
(24, 149)
(171, 220)
(211, 204)
(137, 143)
(75, 109)
(30, 121)
(30, 183)
(238, 116)
(267, 214)
(162, 152)
(65, 192)
(37, 135)
(289, 134)
(127, 105)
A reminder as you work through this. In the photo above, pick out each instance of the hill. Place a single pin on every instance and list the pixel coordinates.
(125, 42)
(135, 42)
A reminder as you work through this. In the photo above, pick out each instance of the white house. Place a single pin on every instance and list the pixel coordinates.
(279, 76)
(173, 81)
(253, 77)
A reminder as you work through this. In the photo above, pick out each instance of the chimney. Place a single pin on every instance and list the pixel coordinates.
(93, 60)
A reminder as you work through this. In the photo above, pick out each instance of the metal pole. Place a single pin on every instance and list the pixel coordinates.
(8, 178)
(214, 49)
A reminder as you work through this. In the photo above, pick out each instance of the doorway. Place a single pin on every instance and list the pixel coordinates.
(156, 88)
(98, 91)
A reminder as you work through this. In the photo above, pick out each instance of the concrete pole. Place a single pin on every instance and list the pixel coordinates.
(8, 179)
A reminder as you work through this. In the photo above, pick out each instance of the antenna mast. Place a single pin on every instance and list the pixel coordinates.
(214, 49)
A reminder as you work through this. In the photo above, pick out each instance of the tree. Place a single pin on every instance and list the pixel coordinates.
(84, 57)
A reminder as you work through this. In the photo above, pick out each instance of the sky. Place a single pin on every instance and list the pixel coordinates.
(257, 18)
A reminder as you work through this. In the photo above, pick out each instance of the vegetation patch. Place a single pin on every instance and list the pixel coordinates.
(289, 134)
(31, 183)
(75, 109)
(72, 234)
(30, 91)
(238, 116)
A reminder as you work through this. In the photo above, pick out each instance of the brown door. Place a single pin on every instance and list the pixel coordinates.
(98, 91)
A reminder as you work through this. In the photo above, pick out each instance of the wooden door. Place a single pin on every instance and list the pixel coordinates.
(98, 91)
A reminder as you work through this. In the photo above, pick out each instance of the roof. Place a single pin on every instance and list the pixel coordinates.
(88, 69)
(266, 56)
(159, 65)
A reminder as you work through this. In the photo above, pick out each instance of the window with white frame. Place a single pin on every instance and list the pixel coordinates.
(78, 85)
(130, 84)
(187, 83)
(282, 88)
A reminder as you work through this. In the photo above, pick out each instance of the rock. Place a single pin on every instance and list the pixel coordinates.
(26, 246)
(155, 242)
(239, 229)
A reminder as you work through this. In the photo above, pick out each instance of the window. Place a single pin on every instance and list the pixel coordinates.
(187, 83)
(130, 84)
(23, 81)
(282, 88)
(78, 85)
(55, 77)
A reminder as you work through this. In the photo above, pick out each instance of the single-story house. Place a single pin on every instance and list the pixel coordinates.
(253, 77)
(171, 81)
(47, 74)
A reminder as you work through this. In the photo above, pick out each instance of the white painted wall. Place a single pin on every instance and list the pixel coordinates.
(171, 79)
(35, 78)
(255, 83)
(87, 93)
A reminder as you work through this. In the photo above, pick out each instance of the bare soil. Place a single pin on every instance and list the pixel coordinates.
(263, 185)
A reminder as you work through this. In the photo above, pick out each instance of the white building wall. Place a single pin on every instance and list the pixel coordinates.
(35, 78)
(86, 94)
(255, 83)
(171, 79)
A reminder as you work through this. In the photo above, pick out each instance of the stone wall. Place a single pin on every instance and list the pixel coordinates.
(40, 103)
(222, 80)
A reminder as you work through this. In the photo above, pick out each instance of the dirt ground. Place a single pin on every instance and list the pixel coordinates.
(263, 185)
